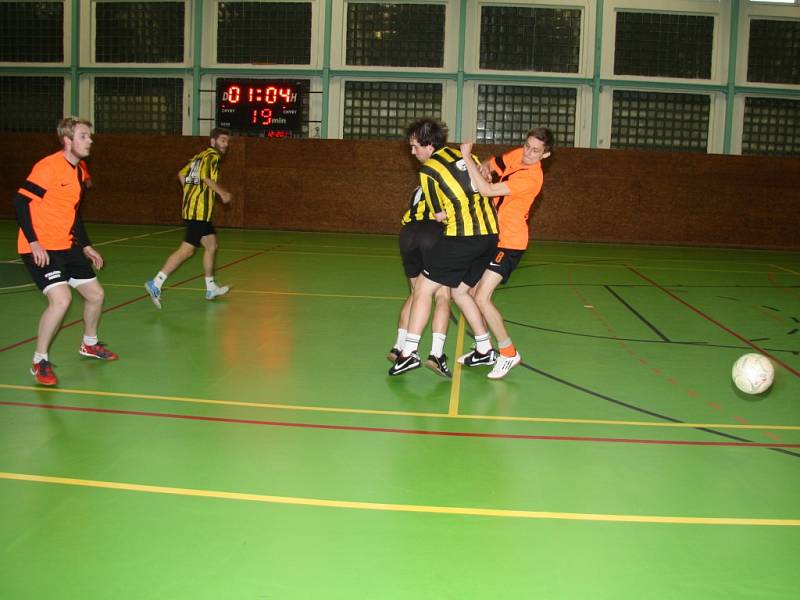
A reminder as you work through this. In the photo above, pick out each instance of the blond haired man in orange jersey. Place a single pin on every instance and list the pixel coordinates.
(55, 248)
(520, 181)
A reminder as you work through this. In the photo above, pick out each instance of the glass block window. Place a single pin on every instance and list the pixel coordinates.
(383, 109)
(771, 127)
(516, 38)
(264, 33)
(31, 104)
(507, 112)
(139, 32)
(32, 32)
(660, 121)
(663, 45)
(138, 105)
(774, 51)
(395, 35)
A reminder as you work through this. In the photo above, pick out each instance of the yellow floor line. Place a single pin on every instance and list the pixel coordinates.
(184, 288)
(413, 508)
(455, 389)
(395, 413)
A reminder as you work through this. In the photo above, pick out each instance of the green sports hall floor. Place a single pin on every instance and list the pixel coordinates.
(255, 448)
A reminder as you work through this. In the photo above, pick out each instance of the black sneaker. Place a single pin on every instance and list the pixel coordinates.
(476, 359)
(405, 363)
(438, 364)
(393, 354)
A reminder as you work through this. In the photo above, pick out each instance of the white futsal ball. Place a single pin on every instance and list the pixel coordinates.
(753, 373)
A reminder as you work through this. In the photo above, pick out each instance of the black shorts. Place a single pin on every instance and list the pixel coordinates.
(417, 241)
(504, 262)
(196, 230)
(66, 266)
(459, 259)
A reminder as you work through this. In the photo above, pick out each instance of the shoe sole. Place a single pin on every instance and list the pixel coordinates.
(97, 357)
(405, 370)
(156, 301)
(431, 364)
(506, 372)
(479, 364)
(462, 361)
(217, 295)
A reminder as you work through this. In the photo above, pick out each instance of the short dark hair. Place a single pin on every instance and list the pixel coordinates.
(427, 131)
(218, 131)
(544, 135)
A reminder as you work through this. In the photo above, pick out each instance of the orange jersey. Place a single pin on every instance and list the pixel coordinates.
(525, 183)
(87, 178)
(54, 188)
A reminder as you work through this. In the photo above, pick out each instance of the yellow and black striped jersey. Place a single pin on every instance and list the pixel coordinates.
(198, 198)
(418, 209)
(446, 185)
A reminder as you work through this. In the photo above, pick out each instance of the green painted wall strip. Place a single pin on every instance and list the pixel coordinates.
(326, 68)
(75, 58)
(730, 92)
(197, 61)
(462, 36)
(124, 71)
(597, 85)
(660, 85)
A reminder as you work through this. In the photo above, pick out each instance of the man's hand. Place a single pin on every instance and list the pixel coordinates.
(40, 256)
(220, 191)
(224, 195)
(94, 256)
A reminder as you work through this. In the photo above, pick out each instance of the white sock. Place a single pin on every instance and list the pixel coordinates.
(159, 279)
(401, 338)
(437, 345)
(210, 283)
(39, 357)
(90, 340)
(411, 344)
(482, 343)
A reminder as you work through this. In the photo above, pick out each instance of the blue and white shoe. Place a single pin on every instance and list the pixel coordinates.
(154, 291)
(217, 291)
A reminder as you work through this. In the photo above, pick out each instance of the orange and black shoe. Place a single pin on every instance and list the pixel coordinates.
(43, 373)
(99, 350)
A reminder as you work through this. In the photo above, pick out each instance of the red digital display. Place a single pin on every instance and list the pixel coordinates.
(273, 108)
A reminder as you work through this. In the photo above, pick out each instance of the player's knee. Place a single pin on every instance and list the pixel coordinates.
(209, 242)
(59, 301)
(442, 295)
(98, 295)
(94, 294)
(483, 302)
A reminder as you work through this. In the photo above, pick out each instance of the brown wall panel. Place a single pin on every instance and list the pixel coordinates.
(363, 186)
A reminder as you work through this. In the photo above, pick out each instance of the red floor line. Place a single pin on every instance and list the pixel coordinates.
(512, 436)
(132, 300)
(776, 360)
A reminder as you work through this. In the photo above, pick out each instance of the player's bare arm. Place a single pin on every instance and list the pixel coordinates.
(220, 191)
(484, 187)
